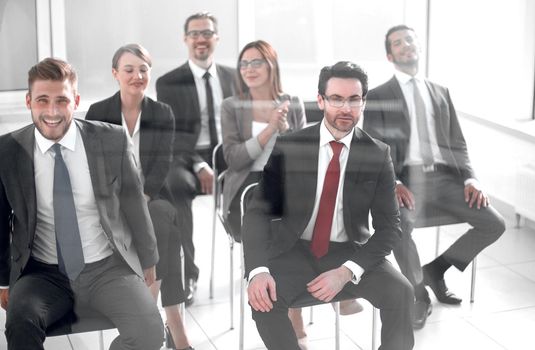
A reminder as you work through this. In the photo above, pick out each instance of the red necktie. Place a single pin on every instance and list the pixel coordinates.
(324, 220)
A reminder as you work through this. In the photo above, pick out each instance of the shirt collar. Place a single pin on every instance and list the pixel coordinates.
(136, 127)
(198, 72)
(326, 136)
(68, 141)
(404, 78)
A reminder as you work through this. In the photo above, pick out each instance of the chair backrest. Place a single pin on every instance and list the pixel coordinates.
(218, 160)
(313, 112)
(245, 197)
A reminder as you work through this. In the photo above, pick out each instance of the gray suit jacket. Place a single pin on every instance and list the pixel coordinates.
(177, 89)
(239, 147)
(387, 119)
(123, 210)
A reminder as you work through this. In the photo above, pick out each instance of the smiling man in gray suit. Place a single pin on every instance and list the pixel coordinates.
(74, 226)
(417, 119)
(195, 91)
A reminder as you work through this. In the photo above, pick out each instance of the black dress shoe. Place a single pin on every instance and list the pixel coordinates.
(438, 286)
(191, 287)
(169, 342)
(422, 309)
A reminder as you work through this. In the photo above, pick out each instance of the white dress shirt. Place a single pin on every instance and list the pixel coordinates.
(338, 232)
(134, 141)
(414, 156)
(95, 244)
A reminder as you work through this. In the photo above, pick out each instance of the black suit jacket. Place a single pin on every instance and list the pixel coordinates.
(156, 129)
(119, 197)
(387, 119)
(177, 89)
(283, 202)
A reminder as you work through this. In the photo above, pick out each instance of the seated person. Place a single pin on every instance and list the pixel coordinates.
(149, 126)
(432, 167)
(306, 228)
(75, 230)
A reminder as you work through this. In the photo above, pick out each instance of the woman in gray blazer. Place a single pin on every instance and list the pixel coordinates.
(251, 122)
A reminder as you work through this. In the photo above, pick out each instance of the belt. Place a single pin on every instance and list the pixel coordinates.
(432, 168)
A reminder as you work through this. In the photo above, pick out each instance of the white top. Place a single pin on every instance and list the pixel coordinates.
(134, 141)
(261, 160)
(95, 244)
(414, 156)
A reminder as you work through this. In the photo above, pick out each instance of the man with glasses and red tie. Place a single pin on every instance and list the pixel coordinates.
(195, 91)
(417, 119)
(306, 226)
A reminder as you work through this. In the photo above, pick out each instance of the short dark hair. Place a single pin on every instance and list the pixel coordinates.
(346, 70)
(53, 69)
(388, 44)
(135, 49)
(200, 15)
(270, 55)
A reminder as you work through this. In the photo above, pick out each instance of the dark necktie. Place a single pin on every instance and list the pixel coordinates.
(211, 112)
(68, 242)
(421, 122)
(324, 220)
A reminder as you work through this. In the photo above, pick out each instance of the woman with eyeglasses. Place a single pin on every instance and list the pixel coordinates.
(251, 121)
(150, 126)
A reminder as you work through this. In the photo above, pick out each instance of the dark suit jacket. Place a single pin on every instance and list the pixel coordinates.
(387, 119)
(177, 89)
(156, 137)
(123, 210)
(283, 202)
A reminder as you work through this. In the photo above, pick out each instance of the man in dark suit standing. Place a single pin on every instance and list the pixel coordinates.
(416, 118)
(74, 225)
(195, 91)
(306, 227)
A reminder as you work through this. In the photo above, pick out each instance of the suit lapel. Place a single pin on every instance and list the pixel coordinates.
(25, 173)
(95, 159)
(395, 89)
(188, 83)
(356, 158)
(147, 134)
(115, 115)
(225, 80)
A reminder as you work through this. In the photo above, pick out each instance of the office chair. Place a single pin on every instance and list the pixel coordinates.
(219, 167)
(304, 300)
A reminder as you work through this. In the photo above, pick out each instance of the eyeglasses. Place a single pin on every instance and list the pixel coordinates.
(338, 102)
(256, 63)
(207, 34)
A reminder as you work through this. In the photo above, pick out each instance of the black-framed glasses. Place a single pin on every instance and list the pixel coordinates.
(207, 34)
(338, 101)
(256, 63)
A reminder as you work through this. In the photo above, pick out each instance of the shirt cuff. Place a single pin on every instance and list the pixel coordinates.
(470, 181)
(356, 269)
(4, 287)
(257, 271)
(198, 166)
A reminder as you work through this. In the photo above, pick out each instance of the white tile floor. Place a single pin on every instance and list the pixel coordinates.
(502, 317)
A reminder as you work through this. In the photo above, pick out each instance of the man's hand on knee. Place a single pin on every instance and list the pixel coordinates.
(262, 292)
(328, 284)
(4, 296)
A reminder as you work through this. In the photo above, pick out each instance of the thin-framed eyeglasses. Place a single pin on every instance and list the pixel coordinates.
(339, 102)
(256, 63)
(207, 34)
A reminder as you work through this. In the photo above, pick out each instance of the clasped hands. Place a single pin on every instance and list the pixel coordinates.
(473, 195)
(262, 289)
(278, 120)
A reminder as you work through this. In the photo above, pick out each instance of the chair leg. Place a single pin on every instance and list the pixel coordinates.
(101, 340)
(437, 241)
(242, 299)
(473, 282)
(337, 325)
(212, 262)
(231, 284)
(311, 321)
(374, 328)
